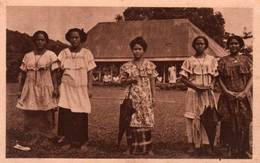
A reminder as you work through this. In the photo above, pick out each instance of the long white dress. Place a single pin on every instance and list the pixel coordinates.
(199, 71)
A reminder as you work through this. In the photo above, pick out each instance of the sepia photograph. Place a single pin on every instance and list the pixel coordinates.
(129, 82)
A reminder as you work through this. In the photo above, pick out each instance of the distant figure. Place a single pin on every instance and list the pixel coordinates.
(95, 77)
(172, 74)
(159, 79)
(116, 79)
(140, 75)
(107, 78)
(38, 88)
(77, 64)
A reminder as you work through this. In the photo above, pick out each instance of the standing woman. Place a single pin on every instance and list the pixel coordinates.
(140, 75)
(77, 64)
(198, 73)
(235, 77)
(38, 87)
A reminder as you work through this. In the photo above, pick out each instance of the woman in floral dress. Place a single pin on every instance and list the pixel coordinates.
(140, 75)
(38, 87)
(198, 73)
(235, 77)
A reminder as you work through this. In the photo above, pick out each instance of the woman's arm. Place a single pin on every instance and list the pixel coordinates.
(191, 85)
(54, 75)
(247, 89)
(90, 82)
(127, 81)
(224, 88)
(153, 86)
(21, 80)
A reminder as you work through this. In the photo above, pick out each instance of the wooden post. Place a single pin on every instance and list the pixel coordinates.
(163, 72)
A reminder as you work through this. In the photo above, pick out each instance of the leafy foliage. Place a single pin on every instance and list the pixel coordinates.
(17, 44)
(212, 23)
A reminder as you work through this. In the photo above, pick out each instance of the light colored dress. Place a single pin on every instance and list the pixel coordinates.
(199, 71)
(38, 87)
(74, 84)
(172, 75)
(140, 93)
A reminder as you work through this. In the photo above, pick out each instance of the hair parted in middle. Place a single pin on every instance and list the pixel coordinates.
(202, 37)
(34, 37)
(82, 34)
(140, 41)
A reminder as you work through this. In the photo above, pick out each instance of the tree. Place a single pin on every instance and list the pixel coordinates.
(212, 23)
(119, 18)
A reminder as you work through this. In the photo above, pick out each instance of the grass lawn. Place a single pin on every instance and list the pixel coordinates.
(169, 139)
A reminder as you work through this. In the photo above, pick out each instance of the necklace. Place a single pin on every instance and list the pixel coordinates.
(201, 66)
(36, 65)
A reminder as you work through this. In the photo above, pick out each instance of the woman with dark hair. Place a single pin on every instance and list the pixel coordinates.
(77, 64)
(38, 87)
(235, 77)
(140, 75)
(198, 74)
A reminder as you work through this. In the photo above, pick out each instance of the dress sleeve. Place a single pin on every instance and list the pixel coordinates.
(247, 66)
(90, 62)
(61, 58)
(186, 68)
(54, 61)
(151, 69)
(23, 66)
(214, 67)
(250, 64)
(123, 72)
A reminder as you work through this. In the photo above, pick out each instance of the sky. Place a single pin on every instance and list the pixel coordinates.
(57, 20)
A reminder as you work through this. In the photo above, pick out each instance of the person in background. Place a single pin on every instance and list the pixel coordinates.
(172, 75)
(77, 64)
(107, 78)
(139, 74)
(198, 73)
(38, 88)
(235, 101)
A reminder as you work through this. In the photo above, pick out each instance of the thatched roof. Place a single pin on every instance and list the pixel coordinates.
(167, 39)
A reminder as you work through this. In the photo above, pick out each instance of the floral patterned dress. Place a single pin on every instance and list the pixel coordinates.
(140, 93)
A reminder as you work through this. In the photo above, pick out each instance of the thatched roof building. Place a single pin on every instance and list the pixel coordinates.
(168, 40)
(169, 43)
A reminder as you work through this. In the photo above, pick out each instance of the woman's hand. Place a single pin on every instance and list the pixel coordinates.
(241, 95)
(56, 93)
(202, 88)
(231, 93)
(19, 94)
(133, 80)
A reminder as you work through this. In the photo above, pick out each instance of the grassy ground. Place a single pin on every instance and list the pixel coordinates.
(168, 134)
